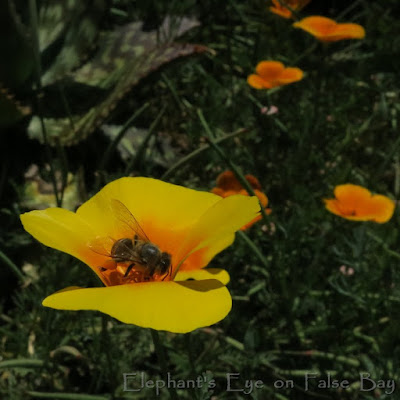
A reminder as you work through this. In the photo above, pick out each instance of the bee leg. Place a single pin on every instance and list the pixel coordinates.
(129, 269)
(136, 239)
(167, 274)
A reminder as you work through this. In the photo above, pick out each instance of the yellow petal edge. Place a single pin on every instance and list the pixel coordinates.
(178, 307)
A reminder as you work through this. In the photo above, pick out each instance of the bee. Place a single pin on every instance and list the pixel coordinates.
(136, 250)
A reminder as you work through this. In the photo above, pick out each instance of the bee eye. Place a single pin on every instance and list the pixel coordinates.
(165, 260)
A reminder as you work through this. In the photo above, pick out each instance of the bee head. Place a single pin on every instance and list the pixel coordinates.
(165, 261)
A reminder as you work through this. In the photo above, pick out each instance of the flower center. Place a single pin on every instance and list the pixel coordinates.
(127, 273)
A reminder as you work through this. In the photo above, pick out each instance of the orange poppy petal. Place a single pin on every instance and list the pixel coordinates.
(228, 181)
(326, 29)
(316, 25)
(171, 306)
(350, 193)
(257, 82)
(381, 208)
(262, 197)
(290, 75)
(269, 70)
(218, 191)
(254, 182)
(346, 31)
(281, 11)
(356, 203)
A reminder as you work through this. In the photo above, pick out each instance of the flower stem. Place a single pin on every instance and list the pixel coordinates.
(140, 152)
(12, 266)
(162, 359)
(238, 174)
(195, 153)
(38, 73)
(254, 248)
(114, 143)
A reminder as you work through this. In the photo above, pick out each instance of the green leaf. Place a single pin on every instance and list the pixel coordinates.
(126, 56)
(76, 25)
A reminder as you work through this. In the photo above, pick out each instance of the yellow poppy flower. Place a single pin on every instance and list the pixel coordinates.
(280, 9)
(228, 185)
(328, 30)
(270, 74)
(189, 226)
(358, 204)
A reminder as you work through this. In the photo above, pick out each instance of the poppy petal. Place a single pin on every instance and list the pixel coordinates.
(316, 25)
(346, 31)
(169, 205)
(356, 203)
(380, 208)
(269, 70)
(290, 75)
(202, 257)
(217, 227)
(281, 11)
(257, 82)
(63, 230)
(328, 30)
(171, 306)
(227, 181)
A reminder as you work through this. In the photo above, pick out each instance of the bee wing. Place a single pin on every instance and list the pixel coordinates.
(125, 216)
(101, 245)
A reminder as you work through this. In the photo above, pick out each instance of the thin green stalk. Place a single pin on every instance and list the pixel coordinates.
(306, 52)
(385, 247)
(140, 151)
(388, 158)
(206, 127)
(38, 72)
(254, 248)
(162, 359)
(12, 266)
(64, 169)
(66, 105)
(113, 145)
(240, 177)
(175, 95)
(195, 153)
(352, 5)
(320, 354)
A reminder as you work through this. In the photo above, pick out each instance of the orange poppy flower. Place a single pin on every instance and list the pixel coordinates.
(228, 185)
(157, 281)
(270, 74)
(280, 9)
(358, 204)
(328, 30)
